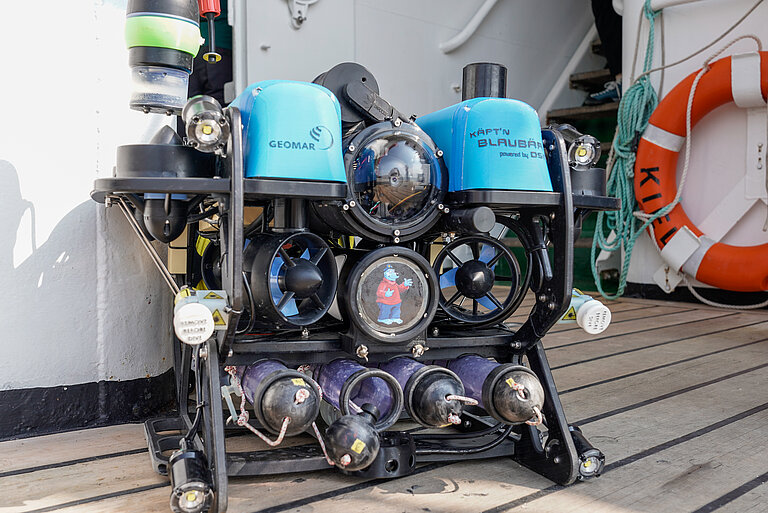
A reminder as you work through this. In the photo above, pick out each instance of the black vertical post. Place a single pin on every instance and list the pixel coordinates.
(484, 79)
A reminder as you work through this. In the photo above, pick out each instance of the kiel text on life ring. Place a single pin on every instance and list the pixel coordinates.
(683, 246)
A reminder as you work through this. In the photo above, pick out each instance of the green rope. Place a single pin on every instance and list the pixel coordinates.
(636, 106)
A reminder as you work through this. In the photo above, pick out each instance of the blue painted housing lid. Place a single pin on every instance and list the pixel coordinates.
(291, 130)
(490, 143)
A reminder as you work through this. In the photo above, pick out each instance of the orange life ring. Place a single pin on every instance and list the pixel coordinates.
(738, 268)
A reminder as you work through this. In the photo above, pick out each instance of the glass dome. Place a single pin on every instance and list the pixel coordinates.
(396, 177)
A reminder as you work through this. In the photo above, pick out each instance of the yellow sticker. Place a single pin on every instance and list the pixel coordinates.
(511, 383)
(182, 293)
(358, 446)
(299, 382)
(218, 320)
(213, 295)
(570, 315)
(201, 244)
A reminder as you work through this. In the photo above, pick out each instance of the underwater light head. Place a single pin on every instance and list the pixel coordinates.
(591, 460)
(583, 153)
(190, 481)
(206, 126)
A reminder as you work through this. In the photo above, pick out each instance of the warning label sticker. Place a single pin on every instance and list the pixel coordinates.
(218, 320)
(358, 446)
(570, 315)
(212, 295)
(298, 382)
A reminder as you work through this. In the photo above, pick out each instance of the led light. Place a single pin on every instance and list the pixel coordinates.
(207, 132)
(191, 500)
(207, 128)
(584, 153)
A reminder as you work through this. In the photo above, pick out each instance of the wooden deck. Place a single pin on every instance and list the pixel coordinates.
(674, 394)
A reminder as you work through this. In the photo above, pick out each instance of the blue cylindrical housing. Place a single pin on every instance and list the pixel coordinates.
(375, 391)
(402, 369)
(472, 370)
(253, 375)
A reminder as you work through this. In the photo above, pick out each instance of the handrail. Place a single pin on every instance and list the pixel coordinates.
(473, 24)
(563, 80)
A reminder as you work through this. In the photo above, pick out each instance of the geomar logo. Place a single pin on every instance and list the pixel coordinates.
(323, 136)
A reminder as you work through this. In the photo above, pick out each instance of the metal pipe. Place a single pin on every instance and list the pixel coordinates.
(167, 276)
(238, 9)
(463, 36)
(564, 79)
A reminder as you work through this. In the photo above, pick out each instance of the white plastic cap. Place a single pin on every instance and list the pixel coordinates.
(593, 317)
(193, 323)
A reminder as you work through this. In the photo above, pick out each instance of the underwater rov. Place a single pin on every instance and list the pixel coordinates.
(369, 288)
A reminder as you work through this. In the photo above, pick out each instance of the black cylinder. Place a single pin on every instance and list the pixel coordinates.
(427, 393)
(353, 442)
(471, 220)
(190, 482)
(484, 80)
(501, 399)
(165, 224)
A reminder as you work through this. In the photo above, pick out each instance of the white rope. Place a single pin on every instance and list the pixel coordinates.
(539, 417)
(686, 162)
(462, 399)
(721, 305)
(322, 444)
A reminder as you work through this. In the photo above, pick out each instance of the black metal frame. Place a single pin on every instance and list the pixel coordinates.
(535, 213)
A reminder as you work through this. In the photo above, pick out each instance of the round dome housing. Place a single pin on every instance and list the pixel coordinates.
(396, 182)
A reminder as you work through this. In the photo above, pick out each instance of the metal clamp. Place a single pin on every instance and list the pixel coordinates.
(299, 10)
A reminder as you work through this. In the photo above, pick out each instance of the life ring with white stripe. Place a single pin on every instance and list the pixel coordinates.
(742, 79)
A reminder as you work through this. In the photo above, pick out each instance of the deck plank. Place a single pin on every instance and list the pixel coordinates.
(51, 449)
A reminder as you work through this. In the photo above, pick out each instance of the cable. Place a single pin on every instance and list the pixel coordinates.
(198, 397)
(468, 450)
(450, 436)
(251, 303)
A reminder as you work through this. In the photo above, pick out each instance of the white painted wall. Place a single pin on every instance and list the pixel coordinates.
(718, 149)
(82, 302)
(398, 41)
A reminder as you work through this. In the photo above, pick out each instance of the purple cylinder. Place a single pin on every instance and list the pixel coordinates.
(331, 378)
(251, 376)
(472, 370)
(402, 368)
